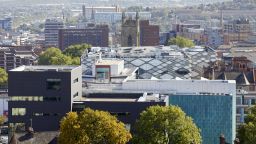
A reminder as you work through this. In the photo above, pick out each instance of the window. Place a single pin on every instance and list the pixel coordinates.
(26, 98)
(51, 99)
(75, 80)
(18, 111)
(53, 84)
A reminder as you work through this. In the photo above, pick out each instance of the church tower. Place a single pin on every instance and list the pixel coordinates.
(130, 33)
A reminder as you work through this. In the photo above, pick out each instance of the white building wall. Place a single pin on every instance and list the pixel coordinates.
(182, 86)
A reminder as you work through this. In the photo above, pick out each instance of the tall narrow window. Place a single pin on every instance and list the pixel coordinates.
(129, 42)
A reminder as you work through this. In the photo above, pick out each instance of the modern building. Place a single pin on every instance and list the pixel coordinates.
(93, 35)
(162, 62)
(41, 95)
(211, 103)
(51, 31)
(6, 24)
(15, 56)
(138, 32)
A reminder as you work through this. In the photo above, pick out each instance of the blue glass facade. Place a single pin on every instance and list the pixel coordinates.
(213, 114)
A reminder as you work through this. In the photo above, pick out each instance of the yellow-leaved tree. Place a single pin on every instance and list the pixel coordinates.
(92, 127)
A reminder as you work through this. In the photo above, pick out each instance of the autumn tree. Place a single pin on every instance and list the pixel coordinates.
(2, 119)
(76, 50)
(181, 42)
(165, 125)
(3, 77)
(92, 127)
(247, 131)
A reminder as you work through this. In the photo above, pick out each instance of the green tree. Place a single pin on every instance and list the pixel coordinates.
(92, 127)
(165, 125)
(76, 50)
(247, 131)
(54, 56)
(3, 77)
(181, 42)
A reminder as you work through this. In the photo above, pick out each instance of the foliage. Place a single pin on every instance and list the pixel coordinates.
(247, 131)
(2, 119)
(181, 42)
(92, 127)
(165, 125)
(3, 77)
(54, 56)
(76, 50)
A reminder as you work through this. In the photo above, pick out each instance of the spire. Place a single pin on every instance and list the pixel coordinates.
(92, 14)
(138, 29)
(123, 17)
(137, 16)
(84, 12)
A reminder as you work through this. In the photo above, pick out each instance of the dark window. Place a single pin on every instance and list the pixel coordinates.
(53, 84)
(75, 95)
(75, 80)
(51, 99)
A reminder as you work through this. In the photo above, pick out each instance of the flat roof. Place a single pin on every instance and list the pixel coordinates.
(59, 68)
(109, 62)
(82, 99)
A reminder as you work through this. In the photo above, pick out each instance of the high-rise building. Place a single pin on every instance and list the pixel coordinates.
(41, 95)
(93, 35)
(6, 24)
(138, 32)
(52, 27)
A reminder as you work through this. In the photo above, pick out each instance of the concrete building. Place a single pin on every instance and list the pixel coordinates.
(6, 24)
(41, 95)
(211, 104)
(52, 27)
(93, 35)
(15, 56)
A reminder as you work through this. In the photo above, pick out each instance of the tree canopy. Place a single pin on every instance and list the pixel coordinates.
(76, 50)
(3, 77)
(165, 125)
(181, 42)
(2, 119)
(54, 56)
(92, 127)
(247, 131)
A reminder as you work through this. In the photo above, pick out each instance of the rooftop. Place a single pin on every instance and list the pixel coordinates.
(56, 68)
(109, 62)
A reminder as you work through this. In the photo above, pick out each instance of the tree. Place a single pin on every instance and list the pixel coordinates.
(2, 119)
(3, 77)
(92, 127)
(76, 50)
(165, 125)
(181, 42)
(247, 131)
(54, 56)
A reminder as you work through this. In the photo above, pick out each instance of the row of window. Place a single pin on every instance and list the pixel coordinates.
(34, 98)
(22, 112)
(55, 84)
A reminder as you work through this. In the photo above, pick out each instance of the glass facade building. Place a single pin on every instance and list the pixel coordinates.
(213, 114)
